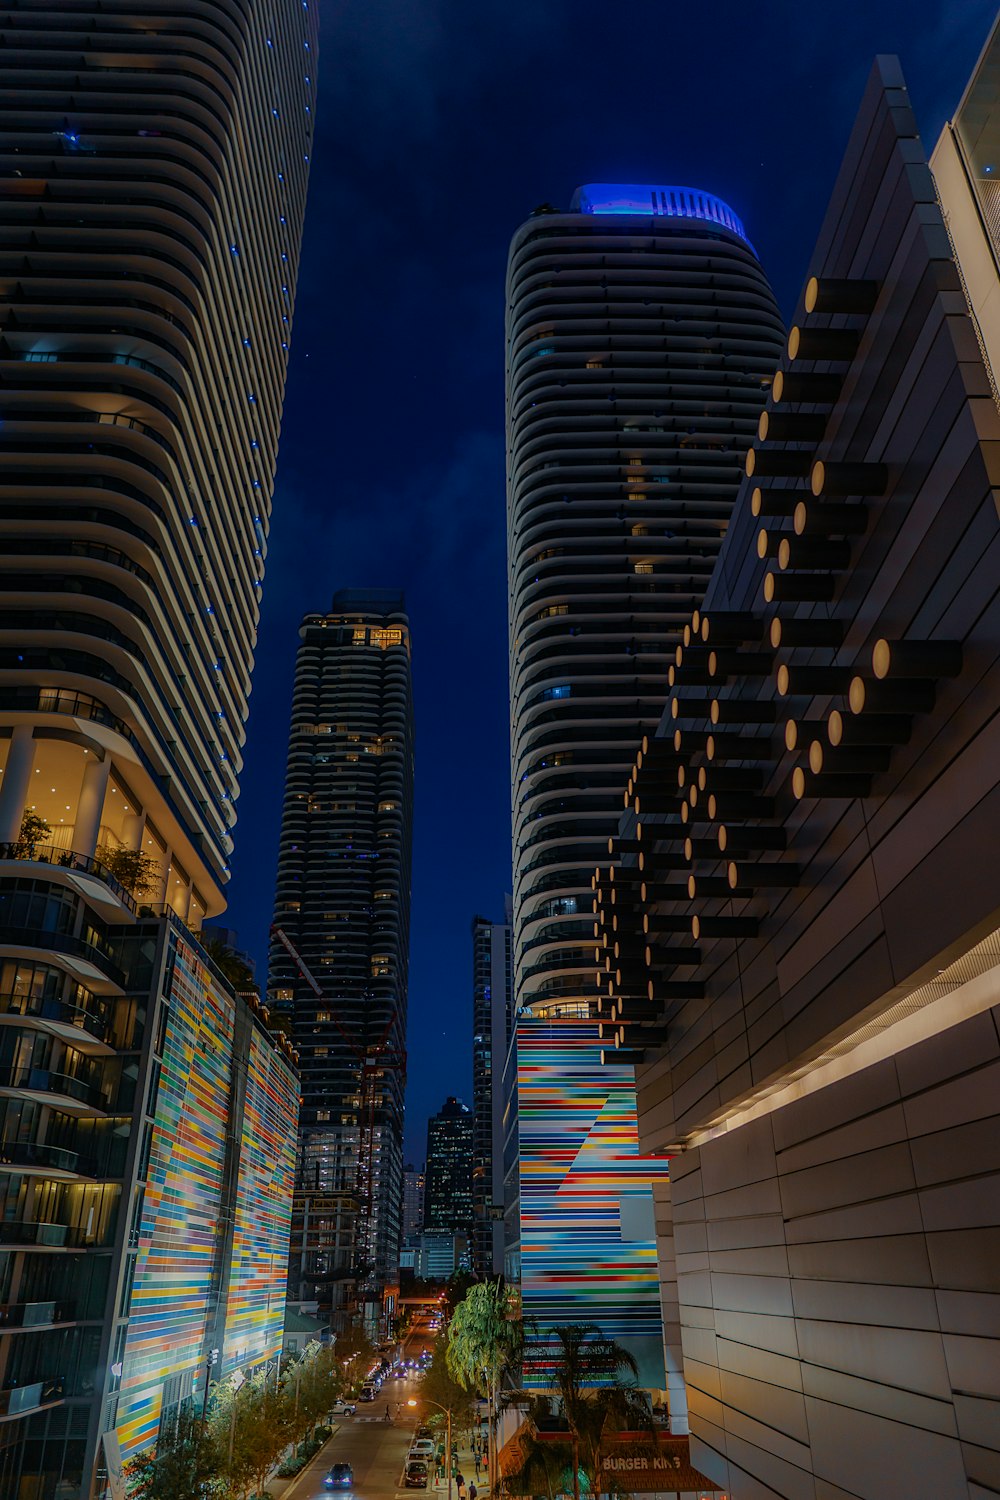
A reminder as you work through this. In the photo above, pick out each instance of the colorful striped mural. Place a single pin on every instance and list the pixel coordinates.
(262, 1218)
(186, 1260)
(588, 1252)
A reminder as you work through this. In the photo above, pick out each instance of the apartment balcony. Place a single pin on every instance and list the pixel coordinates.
(83, 1028)
(84, 961)
(29, 1234)
(37, 1159)
(19, 1399)
(41, 1085)
(15, 1315)
(78, 872)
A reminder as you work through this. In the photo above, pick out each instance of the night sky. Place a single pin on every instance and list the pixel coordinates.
(441, 125)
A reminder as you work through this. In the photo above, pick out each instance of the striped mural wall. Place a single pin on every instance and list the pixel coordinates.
(588, 1248)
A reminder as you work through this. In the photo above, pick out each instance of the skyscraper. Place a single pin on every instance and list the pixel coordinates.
(156, 179)
(492, 1020)
(448, 1183)
(641, 334)
(413, 1200)
(343, 906)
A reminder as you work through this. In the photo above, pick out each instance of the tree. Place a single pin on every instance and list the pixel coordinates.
(231, 964)
(310, 1386)
(595, 1379)
(181, 1467)
(355, 1351)
(139, 873)
(34, 831)
(262, 1428)
(485, 1342)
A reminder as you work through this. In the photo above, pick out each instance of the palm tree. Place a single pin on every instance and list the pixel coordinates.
(485, 1338)
(595, 1380)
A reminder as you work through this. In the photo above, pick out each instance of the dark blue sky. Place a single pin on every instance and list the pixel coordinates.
(441, 124)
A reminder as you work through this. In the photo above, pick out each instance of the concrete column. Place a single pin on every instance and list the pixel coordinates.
(91, 804)
(14, 782)
(673, 1357)
(164, 895)
(133, 829)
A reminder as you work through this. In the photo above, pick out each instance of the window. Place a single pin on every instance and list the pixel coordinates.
(562, 691)
(360, 636)
(384, 637)
(640, 530)
(322, 1114)
(323, 1015)
(644, 567)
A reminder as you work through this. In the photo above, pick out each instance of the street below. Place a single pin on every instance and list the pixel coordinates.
(375, 1449)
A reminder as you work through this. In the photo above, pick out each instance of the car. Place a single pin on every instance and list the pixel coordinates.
(423, 1431)
(343, 1408)
(368, 1393)
(340, 1477)
(399, 1375)
(421, 1448)
(416, 1474)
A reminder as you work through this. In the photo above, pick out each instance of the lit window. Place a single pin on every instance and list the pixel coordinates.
(322, 1114)
(386, 637)
(360, 635)
(644, 567)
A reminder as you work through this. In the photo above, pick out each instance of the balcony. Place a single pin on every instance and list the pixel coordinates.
(80, 872)
(19, 1399)
(82, 1027)
(85, 961)
(34, 1314)
(28, 1234)
(74, 1095)
(36, 1159)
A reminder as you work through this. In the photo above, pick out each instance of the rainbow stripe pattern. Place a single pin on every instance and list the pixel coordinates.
(186, 1262)
(588, 1251)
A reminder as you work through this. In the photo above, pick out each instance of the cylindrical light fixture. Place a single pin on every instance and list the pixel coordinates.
(908, 696)
(796, 588)
(805, 784)
(828, 478)
(809, 389)
(771, 502)
(790, 427)
(777, 463)
(792, 631)
(816, 519)
(835, 344)
(835, 294)
(896, 659)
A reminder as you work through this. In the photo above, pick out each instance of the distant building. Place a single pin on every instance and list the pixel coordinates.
(435, 1255)
(492, 1017)
(448, 1187)
(413, 1201)
(343, 904)
(641, 336)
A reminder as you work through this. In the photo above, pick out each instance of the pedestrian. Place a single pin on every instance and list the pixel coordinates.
(388, 1415)
(479, 1465)
(473, 1492)
(463, 1492)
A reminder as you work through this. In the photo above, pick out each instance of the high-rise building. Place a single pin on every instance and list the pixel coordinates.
(448, 1186)
(343, 908)
(413, 1200)
(156, 173)
(492, 1021)
(641, 334)
(821, 1065)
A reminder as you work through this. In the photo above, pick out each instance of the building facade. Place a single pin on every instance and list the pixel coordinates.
(641, 333)
(147, 313)
(492, 1023)
(413, 1200)
(809, 969)
(448, 1188)
(338, 967)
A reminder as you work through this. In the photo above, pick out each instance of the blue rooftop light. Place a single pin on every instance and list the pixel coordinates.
(652, 201)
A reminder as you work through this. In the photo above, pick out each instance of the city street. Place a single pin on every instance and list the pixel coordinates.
(375, 1449)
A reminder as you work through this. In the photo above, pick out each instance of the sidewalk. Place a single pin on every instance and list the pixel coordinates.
(277, 1487)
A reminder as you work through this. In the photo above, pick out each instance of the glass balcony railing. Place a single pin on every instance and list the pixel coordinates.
(39, 1154)
(44, 1081)
(28, 1232)
(62, 942)
(67, 859)
(35, 1314)
(90, 1020)
(21, 1398)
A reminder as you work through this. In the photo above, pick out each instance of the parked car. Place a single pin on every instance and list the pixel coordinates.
(421, 1448)
(368, 1393)
(423, 1431)
(416, 1474)
(343, 1408)
(340, 1477)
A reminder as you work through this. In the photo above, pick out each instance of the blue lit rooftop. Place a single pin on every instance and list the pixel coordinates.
(649, 201)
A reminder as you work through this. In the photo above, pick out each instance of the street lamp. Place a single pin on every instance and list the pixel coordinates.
(447, 1443)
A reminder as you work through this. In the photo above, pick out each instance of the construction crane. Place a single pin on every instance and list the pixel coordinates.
(373, 1063)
